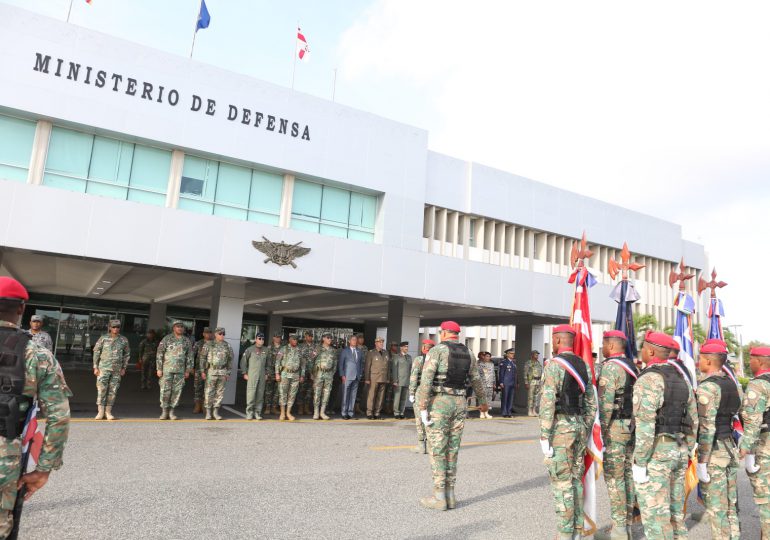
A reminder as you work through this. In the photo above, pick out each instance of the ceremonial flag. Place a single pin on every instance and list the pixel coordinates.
(303, 49)
(581, 322)
(685, 307)
(31, 445)
(204, 19)
(716, 312)
(625, 295)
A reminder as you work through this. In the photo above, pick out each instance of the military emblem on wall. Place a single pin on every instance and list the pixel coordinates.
(281, 253)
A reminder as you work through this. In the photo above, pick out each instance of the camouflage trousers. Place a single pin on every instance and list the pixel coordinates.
(760, 483)
(148, 372)
(215, 390)
(255, 394)
(171, 385)
(322, 389)
(618, 459)
(10, 465)
(565, 469)
(198, 386)
(306, 392)
(107, 384)
(418, 421)
(271, 393)
(287, 389)
(533, 395)
(720, 495)
(661, 499)
(444, 435)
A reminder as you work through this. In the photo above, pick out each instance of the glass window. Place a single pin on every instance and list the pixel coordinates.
(150, 169)
(335, 205)
(233, 185)
(307, 199)
(16, 139)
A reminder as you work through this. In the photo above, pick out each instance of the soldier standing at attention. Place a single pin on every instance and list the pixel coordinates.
(666, 420)
(174, 363)
(376, 375)
(38, 335)
(39, 376)
(289, 372)
(532, 381)
(255, 372)
(305, 392)
(324, 368)
(414, 383)
(111, 355)
(401, 366)
(148, 348)
(755, 443)
(616, 391)
(271, 388)
(567, 412)
(216, 371)
(507, 381)
(718, 402)
(441, 400)
(200, 351)
(487, 373)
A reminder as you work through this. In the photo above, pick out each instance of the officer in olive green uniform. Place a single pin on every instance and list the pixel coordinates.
(111, 356)
(254, 368)
(216, 371)
(174, 363)
(289, 372)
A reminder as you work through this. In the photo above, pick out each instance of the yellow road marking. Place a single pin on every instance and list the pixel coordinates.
(479, 443)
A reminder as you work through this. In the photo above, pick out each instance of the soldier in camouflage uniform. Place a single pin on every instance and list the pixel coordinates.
(111, 355)
(414, 383)
(39, 336)
(148, 349)
(666, 422)
(255, 371)
(289, 370)
(43, 379)
(216, 371)
(488, 375)
(174, 363)
(567, 412)
(305, 398)
(200, 352)
(271, 387)
(441, 400)
(755, 443)
(718, 401)
(393, 352)
(616, 383)
(323, 370)
(532, 377)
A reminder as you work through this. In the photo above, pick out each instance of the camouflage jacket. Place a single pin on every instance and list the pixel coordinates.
(533, 372)
(414, 375)
(200, 352)
(434, 372)
(272, 352)
(254, 361)
(325, 361)
(44, 380)
(550, 422)
(755, 402)
(111, 353)
(308, 352)
(612, 381)
(175, 354)
(43, 339)
(147, 350)
(487, 372)
(709, 395)
(289, 362)
(648, 399)
(400, 369)
(218, 359)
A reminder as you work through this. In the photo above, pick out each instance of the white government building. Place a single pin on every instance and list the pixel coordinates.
(135, 181)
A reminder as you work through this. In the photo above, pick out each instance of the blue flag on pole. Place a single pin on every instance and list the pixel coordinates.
(203, 17)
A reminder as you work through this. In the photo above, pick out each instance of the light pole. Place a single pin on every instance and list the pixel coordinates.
(740, 351)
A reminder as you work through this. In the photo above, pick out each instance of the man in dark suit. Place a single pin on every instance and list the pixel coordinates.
(351, 367)
(507, 381)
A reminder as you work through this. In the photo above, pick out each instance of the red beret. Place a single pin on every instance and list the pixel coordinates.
(760, 351)
(428, 342)
(659, 338)
(615, 334)
(713, 348)
(712, 341)
(10, 289)
(563, 329)
(450, 326)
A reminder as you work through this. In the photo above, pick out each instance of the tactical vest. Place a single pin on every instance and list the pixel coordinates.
(570, 400)
(624, 407)
(459, 365)
(766, 415)
(729, 404)
(672, 417)
(13, 367)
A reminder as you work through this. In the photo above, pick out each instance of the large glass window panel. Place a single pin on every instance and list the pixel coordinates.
(331, 230)
(363, 210)
(16, 139)
(260, 217)
(107, 190)
(196, 206)
(199, 177)
(306, 200)
(229, 212)
(335, 205)
(146, 197)
(64, 182)
(69, 152)
(150, 168)
(111, 160)
(304, 225)
(8, 172)
(266, 192)
(360, 235)
(233, 185)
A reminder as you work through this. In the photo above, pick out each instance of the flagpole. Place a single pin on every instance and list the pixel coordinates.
(69, 11)
(294, 67)
(334, 85)
(195, 32)
(193, 43)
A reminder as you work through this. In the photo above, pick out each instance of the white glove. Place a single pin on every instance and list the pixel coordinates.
(424, 417)
(545, 446)
(411, 399)
(703, 474)
(750, 462)
(640, 474)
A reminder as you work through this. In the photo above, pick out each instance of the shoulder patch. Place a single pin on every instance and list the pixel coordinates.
(703, 400)
(751, 394)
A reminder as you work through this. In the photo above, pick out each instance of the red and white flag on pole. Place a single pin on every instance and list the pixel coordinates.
(303, 49)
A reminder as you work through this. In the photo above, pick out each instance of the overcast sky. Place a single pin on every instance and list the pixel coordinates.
(663, 107)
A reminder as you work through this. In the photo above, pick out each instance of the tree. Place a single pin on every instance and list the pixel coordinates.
(733, 345)
(644, 323)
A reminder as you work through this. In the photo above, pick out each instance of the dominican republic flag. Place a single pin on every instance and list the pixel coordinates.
(625, 295)
(581, 322)
(31, 438)
(204, 18)
(685, 307)
(716, 312)
(303, 49)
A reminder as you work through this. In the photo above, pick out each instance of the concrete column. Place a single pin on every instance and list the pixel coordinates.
(404, 324)
(157, 318)
(274, 324)
(174, 179)
(227, 311)
(370, 333)
(39, 152)
(529, 337)
(287, 198)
